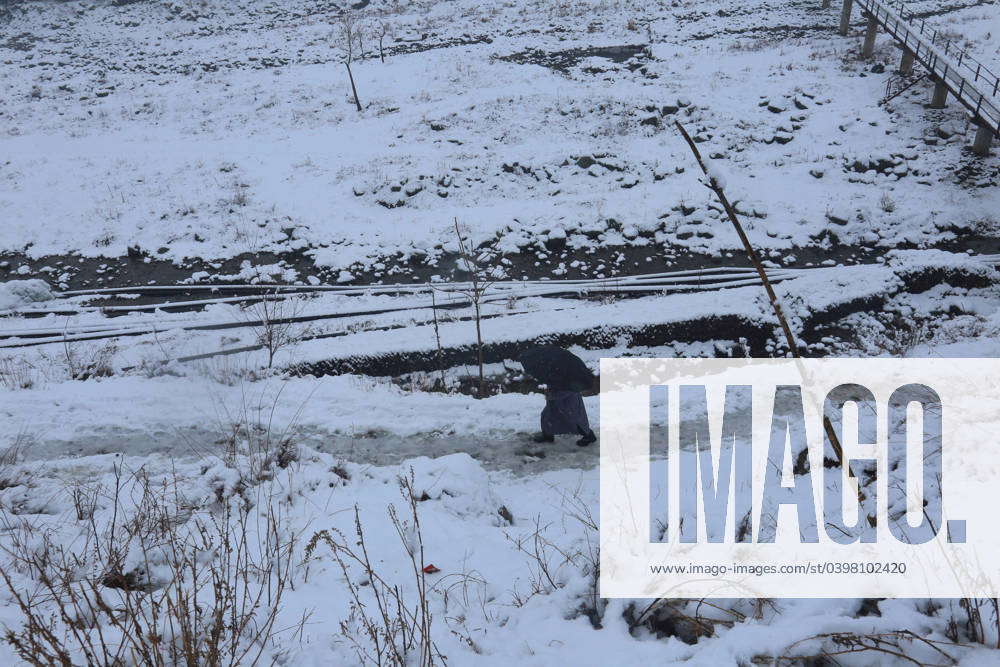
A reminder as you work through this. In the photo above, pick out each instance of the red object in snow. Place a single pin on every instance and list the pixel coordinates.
(430, 569)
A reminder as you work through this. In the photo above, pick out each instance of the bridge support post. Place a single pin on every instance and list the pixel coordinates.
(869, 47)
(826, 4)
(984, 136)
(845, 17)
(940, 96)
(906, 62)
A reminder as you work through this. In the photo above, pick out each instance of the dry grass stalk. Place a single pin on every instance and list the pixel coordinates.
(203, 588)
(397, 631)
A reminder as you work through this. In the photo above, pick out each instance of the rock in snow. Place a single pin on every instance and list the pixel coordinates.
(17, 293)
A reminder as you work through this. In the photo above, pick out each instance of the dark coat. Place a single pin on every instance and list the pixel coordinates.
(564, 413)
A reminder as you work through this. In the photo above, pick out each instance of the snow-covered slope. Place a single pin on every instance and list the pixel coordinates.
(135, 134)
(213, 129)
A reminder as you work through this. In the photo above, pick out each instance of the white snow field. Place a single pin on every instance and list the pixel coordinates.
(209, 130)
(225, 440)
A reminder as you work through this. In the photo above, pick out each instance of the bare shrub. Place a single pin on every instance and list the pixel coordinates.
(263, 449)
(157, 363)
(273, 320)
(82, 361)
(546, 559)
(17, 373)
(886, 203)
(893, 336)
(84, 496)
(898, 645)
(251, 440)
(398, 630)
(461, 592)
(479, 266)
(382, 29)
(437, 339)
(240, 195)
(13, 453)
(11, 456)
(155, 368)
(552, 565)
(226, 369)
(348, 37)
(160, 583)
(973, 628)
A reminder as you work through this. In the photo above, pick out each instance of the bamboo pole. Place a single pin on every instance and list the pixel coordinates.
(771, 295)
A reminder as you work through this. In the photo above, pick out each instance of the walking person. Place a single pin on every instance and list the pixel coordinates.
(565, 376)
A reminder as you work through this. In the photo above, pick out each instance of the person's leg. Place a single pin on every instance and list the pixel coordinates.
(545, 435)
(583, 424)
(548, 423)
(588, 438)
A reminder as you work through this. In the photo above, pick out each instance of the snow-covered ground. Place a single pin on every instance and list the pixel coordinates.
(219, 140)
(208, 130)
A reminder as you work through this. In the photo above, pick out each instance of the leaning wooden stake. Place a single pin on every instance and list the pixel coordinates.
(354, 89)
(771, 295)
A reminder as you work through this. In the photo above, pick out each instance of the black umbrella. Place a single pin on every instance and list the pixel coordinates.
(558, 368)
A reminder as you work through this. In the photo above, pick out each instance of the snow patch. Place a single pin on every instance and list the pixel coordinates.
(18, 293)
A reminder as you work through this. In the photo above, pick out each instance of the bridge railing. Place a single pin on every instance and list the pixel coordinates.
(975, 86)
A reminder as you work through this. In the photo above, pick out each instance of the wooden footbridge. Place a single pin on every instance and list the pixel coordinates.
(952, 70)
